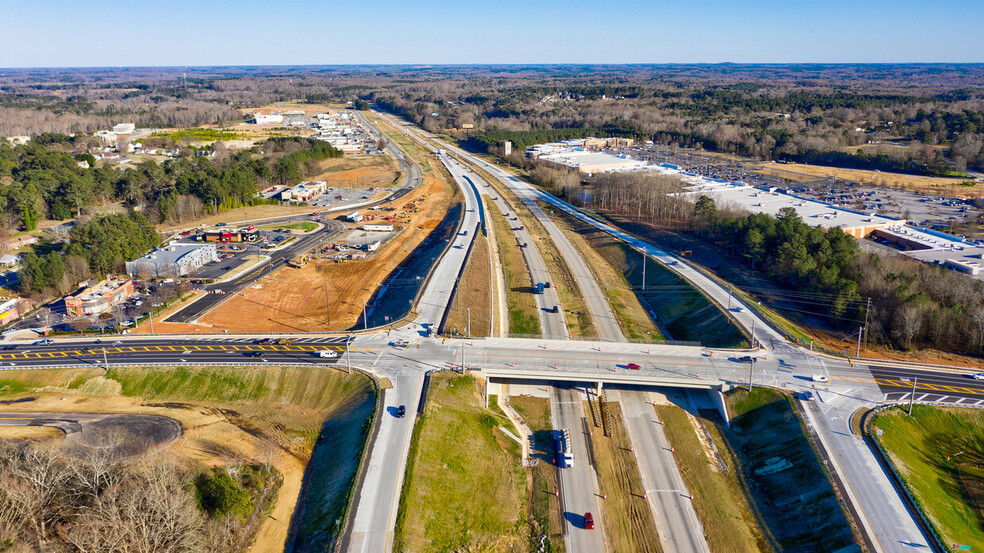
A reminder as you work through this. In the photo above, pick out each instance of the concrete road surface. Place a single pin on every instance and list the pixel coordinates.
(676, 521)
(578, 485)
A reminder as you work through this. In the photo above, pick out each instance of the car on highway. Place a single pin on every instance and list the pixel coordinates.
(746, 359)
(328, 353)
(820, 378)
(45, 342)
(976, 376)
(633, 366)
(588, 521)
(264, 341)
(315, 214)
(10, 347)
(401, 411)
(254, 354)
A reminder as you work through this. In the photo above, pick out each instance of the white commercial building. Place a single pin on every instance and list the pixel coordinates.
(304, 191)
(268, 118)
(174, 260)
(125, 128)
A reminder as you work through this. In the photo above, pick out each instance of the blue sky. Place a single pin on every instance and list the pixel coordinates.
(71, 33)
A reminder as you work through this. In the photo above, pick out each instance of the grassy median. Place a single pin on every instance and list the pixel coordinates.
(629, 523)
(524, 317)
(464, 488)
(474, 292)
(709, 471)
(939, 453)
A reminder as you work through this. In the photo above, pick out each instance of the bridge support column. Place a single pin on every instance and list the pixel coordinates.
(717, 396)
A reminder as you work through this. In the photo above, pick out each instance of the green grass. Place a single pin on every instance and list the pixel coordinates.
(304, 226)
(524, 318)
(200, 135)
(464, 489)
(766, 432)
(23, 381)
(951, 492)
(723, 508)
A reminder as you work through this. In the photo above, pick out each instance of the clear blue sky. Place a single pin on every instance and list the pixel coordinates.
(72, 33)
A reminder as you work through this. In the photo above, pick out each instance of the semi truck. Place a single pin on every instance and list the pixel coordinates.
(562, 443)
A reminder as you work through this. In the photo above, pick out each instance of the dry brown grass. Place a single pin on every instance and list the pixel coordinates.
(933, 185)
(474, 292)
(251, 213)
(629, 523)
(358, 171)
(31, 433)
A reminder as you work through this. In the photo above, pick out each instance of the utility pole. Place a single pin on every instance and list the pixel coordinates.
(867, 309)
(753, 333)
(912, 396)
(469, 322)
(729, 298)
(365, 316)
(858, 352)
(106, 362)
(643, 270)
(348, 353)
(150, 317)
(751, 363)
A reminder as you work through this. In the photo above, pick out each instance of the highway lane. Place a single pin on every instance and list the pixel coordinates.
(599, 309)
(578, 485)
(930, 386)
(679, 529)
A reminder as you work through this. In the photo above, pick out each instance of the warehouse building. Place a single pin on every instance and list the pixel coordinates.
(173, 261)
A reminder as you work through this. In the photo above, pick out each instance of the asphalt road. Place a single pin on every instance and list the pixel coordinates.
(578, 484)
(114, 435)
(930, 387)
(676, 520)
(600, 311)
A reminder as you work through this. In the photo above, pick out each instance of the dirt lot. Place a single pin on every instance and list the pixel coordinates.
(934, 185)
(293, 300)
(363, 171)
(252, 415)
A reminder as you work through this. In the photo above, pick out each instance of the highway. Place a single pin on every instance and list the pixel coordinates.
(676, 521)
(578, 484)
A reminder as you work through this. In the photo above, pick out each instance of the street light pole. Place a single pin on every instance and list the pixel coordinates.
(469, 322)
(857, 353)
(644, 270)
(751, 363)
(912, 396)
(365, 316)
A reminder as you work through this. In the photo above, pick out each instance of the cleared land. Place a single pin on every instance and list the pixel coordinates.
(629, 523)
(545, 516)
(682, 312)
(228, 415)
(631, 315)
(358, 171)
(939, 453)
(934, 185)
(464, 488)
(474, 292)
(524, 316)
(293, 299)
(782, 474)
(710, 471)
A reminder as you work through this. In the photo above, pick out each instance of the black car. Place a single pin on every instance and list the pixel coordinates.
(401, 411)
(255, 354)
(10, 347)
(746, 359)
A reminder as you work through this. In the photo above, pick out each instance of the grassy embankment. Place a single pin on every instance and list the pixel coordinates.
(546, 516)
(631, 315)
(939, 453)
(302, 226)
(629, 523)
(782, 475)
(708, 468)
(576, 313)
(683, 313)
(524, 316)
(464, 488)
(239, 415)
(474, 292)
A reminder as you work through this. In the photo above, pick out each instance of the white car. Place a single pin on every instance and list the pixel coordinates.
(977, 376)
(820, 378)
(328, 353)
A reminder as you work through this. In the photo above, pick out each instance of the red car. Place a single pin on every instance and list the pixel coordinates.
(634, 367)
(315, 214)
(588, 521)
(186, 233)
